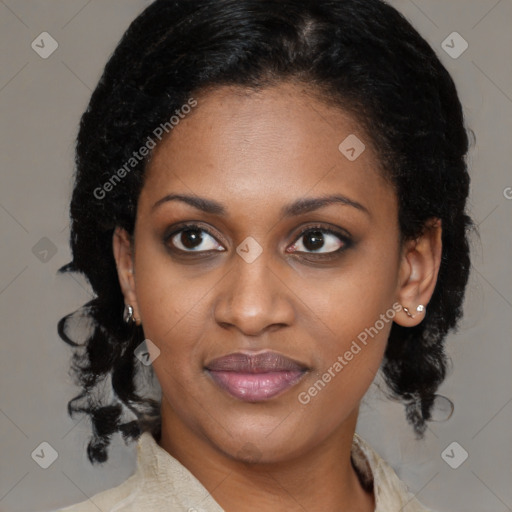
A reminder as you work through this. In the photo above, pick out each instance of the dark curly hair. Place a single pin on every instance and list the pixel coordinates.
(360, 55)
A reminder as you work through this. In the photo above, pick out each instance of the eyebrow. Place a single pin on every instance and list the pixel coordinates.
(301, 206)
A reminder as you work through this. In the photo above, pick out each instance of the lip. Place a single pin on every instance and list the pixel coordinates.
(255, 377)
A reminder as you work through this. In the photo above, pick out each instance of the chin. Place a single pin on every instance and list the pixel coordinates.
(262, 441)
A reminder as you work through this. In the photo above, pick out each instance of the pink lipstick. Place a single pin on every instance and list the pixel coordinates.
(255, 377)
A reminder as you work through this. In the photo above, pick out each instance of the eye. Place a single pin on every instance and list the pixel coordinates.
(193, 238)
(320, 240)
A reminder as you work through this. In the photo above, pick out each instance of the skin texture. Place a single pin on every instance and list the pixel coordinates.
(255, 153)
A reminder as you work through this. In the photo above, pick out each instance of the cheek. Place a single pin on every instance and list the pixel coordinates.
(351, 299)
(171, 301)
(347, 368)
(353, 311)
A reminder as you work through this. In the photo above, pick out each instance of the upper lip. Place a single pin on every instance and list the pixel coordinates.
(262, 362)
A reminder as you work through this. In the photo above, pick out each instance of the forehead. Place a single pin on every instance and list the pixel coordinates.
(248, 149)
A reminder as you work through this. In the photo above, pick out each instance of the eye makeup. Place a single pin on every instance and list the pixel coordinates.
(339, 240)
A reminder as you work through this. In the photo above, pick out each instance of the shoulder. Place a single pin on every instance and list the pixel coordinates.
(110, 499)
(391, 494)
(160, 482)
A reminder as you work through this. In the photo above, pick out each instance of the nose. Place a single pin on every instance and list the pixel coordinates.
(254, 298)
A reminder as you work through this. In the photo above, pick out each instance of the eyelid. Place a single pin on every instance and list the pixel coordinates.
(339, 232)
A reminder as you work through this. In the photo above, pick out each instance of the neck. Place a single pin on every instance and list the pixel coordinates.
(322, 479)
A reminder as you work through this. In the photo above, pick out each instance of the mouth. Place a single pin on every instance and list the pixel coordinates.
(255, 377)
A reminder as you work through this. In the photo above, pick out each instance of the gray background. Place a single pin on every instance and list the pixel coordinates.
(41, 101)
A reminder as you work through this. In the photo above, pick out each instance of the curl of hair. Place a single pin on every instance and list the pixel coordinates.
(360, 55)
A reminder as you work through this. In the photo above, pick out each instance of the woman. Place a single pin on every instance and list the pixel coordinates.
(270, 206)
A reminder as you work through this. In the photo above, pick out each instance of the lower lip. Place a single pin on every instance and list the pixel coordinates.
(256, 387)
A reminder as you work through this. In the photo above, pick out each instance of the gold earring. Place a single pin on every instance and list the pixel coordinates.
(420, 308)
(407, 312)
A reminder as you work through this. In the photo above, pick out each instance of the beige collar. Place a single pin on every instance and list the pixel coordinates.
(161, 474)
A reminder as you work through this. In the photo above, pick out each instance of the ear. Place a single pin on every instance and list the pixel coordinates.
(419, 268)
(122, 246)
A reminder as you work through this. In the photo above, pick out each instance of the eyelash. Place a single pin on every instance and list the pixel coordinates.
(343, 237)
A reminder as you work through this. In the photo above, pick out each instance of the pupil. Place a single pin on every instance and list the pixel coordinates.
(191, 238)
(316, 238)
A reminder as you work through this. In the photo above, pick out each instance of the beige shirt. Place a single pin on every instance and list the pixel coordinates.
(161, 483)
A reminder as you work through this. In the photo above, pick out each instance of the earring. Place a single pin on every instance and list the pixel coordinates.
(128, 314)
(419, 309)
(407, 312)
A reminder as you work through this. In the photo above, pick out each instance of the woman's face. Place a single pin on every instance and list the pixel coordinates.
(265, 269)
